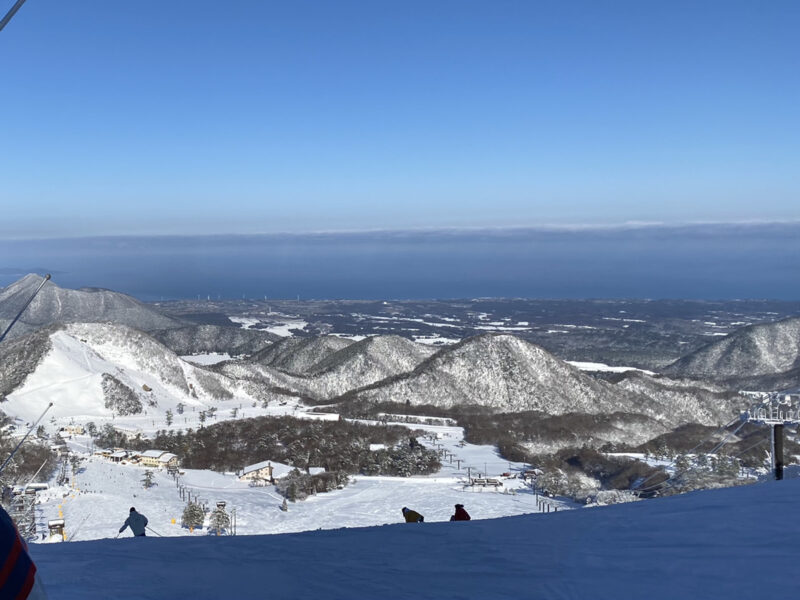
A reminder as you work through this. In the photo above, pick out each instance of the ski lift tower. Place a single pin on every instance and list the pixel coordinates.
(776, 410)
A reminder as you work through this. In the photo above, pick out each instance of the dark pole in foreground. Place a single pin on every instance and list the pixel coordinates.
(776, 410)
(11, 12)
(777, 451)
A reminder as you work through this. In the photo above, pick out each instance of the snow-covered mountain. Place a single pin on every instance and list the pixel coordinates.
(509, 374)
(54, 304)
(298, 355)
(202, 339)
(104, 371)
(367, 361)
(20, 356)
(765, 351)
(355, 365)
(96, 369)
(495, 370)
(691, 401)
(594, 431)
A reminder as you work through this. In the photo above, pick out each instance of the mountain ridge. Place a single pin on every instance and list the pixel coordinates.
(54, 304)
(752, 355)
(508, 374)
(89, 369)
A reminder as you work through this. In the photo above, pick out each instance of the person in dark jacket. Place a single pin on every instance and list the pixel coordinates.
(137, 522)
(461, 514)
(412, 516)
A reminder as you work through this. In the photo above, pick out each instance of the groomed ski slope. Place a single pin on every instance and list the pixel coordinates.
(101, 493)
(731, 543)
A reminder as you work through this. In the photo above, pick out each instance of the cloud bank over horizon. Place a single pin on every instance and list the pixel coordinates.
(689, 227)
(699, 261)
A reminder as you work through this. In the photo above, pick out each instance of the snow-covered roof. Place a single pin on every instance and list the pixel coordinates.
(166, 457)
(126, 430)
(256, 467)
(119, 454)
(280, 470)
(153, 453)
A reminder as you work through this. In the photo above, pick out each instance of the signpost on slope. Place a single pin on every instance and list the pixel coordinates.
(776, 410)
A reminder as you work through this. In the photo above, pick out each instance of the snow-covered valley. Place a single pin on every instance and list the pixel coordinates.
(96, 501)
(127, 382)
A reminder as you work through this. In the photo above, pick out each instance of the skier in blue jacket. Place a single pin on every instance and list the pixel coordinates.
(137, 522)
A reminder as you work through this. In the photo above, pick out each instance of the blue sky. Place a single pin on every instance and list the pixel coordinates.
(195, 117)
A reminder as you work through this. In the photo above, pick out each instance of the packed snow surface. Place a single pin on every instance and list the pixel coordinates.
(435, 340)
(602, 367)
(285, 329)
(245, 322)
(699, 545)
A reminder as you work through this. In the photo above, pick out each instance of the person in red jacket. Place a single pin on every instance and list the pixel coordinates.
(461, 514)
(18, 578)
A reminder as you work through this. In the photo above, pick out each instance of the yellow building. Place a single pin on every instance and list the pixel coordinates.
(158, 458)
(73, 429)
(258, 472)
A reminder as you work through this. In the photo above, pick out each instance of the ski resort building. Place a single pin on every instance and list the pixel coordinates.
(158, 458)
(72, 430)
(118, 455)
(130, 432)
(258, 472)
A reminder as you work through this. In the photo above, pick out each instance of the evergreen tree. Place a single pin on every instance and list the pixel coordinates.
(147, 480)
(220, 520)
(193, 516)
(682, 463)
(726, 466)
(168, 416)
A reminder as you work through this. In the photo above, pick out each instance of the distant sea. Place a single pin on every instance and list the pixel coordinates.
(691, 262)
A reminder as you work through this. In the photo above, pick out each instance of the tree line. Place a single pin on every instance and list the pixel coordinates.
(337, 446)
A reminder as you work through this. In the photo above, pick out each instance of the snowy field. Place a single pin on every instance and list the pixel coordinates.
(700, 545)
(101, 494)
(602, 367)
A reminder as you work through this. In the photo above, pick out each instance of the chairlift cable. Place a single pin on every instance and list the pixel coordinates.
(11, 12)
(74, 533)
(25, 437)
(708, 438)
(37, 472)
(22, 310)
(726, 438)
(764, 441)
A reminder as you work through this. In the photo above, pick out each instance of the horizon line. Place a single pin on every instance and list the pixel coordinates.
(543, 228)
